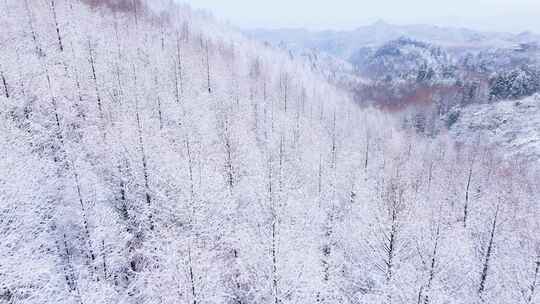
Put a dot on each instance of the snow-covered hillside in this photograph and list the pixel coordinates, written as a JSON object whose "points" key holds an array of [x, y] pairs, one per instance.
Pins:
{"points": [[512, 127], [337, 71], [408, 59], [161, 157]]}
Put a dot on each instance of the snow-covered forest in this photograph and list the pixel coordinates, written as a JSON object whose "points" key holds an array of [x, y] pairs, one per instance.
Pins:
{"points": [[151, 154]]}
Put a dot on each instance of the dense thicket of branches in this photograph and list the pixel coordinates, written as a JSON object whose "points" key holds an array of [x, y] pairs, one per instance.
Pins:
{"points": [[517, 83], [153, 161]]}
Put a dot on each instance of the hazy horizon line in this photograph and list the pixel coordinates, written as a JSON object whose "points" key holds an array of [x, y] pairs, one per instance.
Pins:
{"points": [[365, 25]]}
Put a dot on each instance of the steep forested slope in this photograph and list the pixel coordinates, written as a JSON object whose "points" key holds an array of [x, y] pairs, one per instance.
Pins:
{"points": [[158, 157], [511, 126]]}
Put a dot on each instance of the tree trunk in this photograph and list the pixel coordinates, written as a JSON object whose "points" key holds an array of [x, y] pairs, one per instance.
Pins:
{"points": [[92, 255], [94, 78], [71, 279], [180, 68], [366, 157], [274, 260], [485, 267], [4, 83], [192, 278], [143, 154], [535, 279], [33, 33], [208, 67], [285, 88], [274, 231], [432, 265], [190, 170], [466, 208], [104, 260], [158, 101], [59, 36]]}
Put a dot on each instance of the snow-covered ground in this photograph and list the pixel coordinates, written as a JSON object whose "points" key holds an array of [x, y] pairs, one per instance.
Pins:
{"points": [[513, 126]]}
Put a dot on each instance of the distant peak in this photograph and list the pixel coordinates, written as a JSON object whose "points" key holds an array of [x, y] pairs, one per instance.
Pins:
{"points": [[381, 23]]}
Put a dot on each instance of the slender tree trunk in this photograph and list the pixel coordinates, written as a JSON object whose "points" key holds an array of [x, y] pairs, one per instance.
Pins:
{"points": [[145, 169], [433, 265], [158, 101], [352, 193], [104, 260], [430, 175], [334, 145], [33, 33], [59, 36], [534, 281], [275, 220], [255, 107], [144, 160], [71, 279], [390, 249], [4, 83], [466, 208], [54, 104], [192, 278], [77, 83], [180, 68], [92, 255], [207, 52], [118, 59], [320, 178], [265, 111], [229, 165], [185, 31], [485, 267], [327, 250], [94, 78], [285, 88], [281, 163], [190, 169], [226, 138], [160, 115], [135, 14], [162, 32], [274, 259], [303, 99], [177, 96]]}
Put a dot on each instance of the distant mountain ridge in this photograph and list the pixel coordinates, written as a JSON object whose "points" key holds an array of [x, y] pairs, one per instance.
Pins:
{"points": [[344, 43]]}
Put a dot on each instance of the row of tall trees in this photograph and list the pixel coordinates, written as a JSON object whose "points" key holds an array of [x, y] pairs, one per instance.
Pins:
{"points": [[159, 157]]}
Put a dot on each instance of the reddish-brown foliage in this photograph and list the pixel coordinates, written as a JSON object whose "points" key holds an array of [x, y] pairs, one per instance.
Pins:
{"points": [[116, 5]]}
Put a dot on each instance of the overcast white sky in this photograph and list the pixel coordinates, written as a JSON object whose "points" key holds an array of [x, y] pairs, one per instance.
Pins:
{"points": [[496, 15]]}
